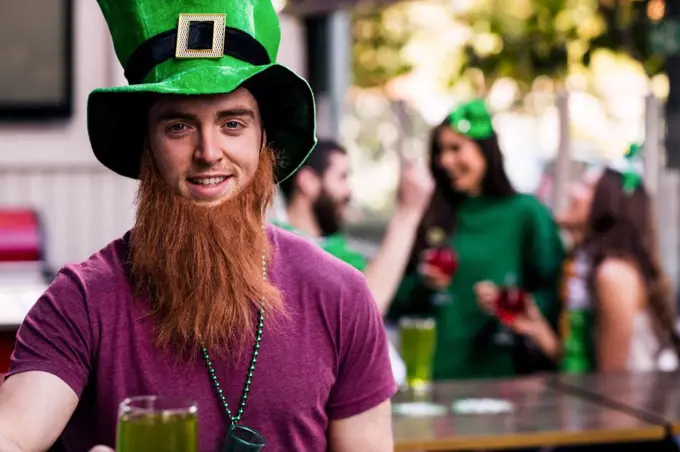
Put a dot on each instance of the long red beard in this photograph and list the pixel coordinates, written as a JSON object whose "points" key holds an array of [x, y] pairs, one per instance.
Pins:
{"points": [[201, 268]]}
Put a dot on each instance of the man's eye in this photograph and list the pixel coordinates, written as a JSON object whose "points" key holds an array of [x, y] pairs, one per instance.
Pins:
{"points": [[177, 128], [232, 125]]}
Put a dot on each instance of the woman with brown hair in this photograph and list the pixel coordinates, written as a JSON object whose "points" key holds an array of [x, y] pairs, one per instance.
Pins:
{"points": [[618, 309], [496, 233]]}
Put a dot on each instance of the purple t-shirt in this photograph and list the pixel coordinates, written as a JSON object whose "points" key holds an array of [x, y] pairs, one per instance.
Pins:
{"points": [[328, 361]]}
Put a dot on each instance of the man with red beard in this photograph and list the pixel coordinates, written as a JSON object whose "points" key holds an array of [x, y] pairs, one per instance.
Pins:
{"points": [[199, 300]]}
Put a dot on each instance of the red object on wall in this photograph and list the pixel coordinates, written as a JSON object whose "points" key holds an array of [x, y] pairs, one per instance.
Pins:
{"points": [[20, 238], [20, 241], [7, 341]]}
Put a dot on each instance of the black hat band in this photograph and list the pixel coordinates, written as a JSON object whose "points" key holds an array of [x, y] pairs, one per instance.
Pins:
{"points": [[199, 39]]}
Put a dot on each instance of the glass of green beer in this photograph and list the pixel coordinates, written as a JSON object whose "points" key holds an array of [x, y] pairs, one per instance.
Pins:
{"points": [[417, 351], [157, 423]]}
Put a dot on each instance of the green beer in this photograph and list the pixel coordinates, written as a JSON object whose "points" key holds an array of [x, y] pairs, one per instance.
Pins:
{"points": [[417, 351], [157, 424]]}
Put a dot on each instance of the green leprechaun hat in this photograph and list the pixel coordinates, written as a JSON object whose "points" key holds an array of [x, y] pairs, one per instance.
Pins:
{"points": [[194, 47]]}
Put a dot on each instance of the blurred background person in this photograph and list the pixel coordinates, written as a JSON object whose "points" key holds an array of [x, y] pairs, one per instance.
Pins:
{"points": [[496, 234], [317, 200], [618, 307]]}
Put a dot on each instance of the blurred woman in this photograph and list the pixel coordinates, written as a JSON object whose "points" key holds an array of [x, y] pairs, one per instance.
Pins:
{"points": [[496, 234], [618, 313]]}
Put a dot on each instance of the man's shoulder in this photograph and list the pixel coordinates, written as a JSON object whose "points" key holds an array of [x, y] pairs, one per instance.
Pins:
{"points": [[103, 271], [296, 256]]}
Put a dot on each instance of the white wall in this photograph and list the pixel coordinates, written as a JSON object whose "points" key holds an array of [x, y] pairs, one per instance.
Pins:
{"points": [[293, 47], [51, 166], [64, 143]]}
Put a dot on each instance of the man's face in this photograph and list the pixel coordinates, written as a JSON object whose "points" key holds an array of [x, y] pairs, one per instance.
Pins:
{"points": [[206, 148], [332, 201], [197, 248]]}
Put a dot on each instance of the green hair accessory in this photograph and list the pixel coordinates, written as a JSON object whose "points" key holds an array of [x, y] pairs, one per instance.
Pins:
{"points": [[631, 172], [472, 119]]}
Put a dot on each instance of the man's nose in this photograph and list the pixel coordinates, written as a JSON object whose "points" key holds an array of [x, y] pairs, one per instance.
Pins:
{"points": [[208, 150]]}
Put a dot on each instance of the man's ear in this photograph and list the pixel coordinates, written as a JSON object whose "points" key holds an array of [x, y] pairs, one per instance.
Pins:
{"points": [[263, 141], [308, 182]]}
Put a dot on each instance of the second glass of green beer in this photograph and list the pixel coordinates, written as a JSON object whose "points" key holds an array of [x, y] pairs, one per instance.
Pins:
{"points": [[159, 424], [418, 336]]}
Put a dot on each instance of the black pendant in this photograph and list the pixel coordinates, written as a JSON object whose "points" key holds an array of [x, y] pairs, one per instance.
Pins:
{"points": [[243, 439]]}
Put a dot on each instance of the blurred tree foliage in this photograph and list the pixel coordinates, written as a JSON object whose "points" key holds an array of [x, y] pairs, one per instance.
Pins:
{"points": [[524, 39], [521, 39], [379, 35], [627, 30]]}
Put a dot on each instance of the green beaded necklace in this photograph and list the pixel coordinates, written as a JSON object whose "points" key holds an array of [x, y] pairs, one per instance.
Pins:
{"points": [[233, 420], [251, 370]]}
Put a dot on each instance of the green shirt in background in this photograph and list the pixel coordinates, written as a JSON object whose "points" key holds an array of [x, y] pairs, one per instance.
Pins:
{"points": [[494, 238], [335, 245]]}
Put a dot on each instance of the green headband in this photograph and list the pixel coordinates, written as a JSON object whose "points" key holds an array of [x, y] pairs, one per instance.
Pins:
{"points": [[472, 119], [631, 170]]}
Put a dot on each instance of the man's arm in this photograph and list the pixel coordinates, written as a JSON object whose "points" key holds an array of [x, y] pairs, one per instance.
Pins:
{"points": [[358, 406], [383, 274], [370, 431], [34, 409], [50, 367]]}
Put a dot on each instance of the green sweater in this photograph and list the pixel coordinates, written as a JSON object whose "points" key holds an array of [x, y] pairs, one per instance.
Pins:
{"points": [[493, 238]]}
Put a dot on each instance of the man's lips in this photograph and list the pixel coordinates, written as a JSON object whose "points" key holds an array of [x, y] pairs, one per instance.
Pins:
{"points": [[209, 188], [208, 180]]}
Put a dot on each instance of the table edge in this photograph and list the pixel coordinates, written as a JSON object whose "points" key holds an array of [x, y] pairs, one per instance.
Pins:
{"points": [[648, 432]]}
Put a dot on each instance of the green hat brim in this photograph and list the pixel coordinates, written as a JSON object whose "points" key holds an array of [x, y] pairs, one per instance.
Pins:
{"points": [[116, 116]]}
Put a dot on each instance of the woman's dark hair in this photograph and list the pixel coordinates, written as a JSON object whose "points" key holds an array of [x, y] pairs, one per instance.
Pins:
{"points": [[443, 207], [621, 225]]}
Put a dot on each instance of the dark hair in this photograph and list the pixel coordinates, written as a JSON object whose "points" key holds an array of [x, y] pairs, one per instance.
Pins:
{"points": [[621, 225], [318, 160], [443, 207]]}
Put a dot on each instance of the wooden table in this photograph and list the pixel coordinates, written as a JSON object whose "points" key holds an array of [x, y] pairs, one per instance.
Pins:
{"points": [[651, 396], [542, 416]]}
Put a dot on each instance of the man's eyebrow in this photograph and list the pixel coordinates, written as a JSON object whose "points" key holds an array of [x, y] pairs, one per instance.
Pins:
{"points": [[176, 114], [169, 115], [236, 112]]}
